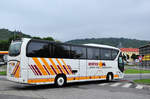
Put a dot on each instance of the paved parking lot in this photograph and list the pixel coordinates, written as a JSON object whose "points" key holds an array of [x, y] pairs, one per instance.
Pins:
{"points": [[85, 90]]}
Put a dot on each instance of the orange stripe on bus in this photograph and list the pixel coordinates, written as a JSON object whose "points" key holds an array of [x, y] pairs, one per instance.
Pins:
{"points": [[116, 76], [86, 78], [15, 67], [77, 78], [66, 66], [97, 77], [17, 75], [92, 77], [61, 66], [104, 77], [40, 80], [55, 67], [82, 78], [39, 65], [48, 66], [68, 79]]}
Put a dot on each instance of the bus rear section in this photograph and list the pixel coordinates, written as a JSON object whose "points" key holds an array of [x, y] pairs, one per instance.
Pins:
{"points": [[16, 68]]}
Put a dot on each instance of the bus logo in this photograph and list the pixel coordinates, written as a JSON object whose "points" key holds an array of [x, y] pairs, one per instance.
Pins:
{"points": [[100, 64]]}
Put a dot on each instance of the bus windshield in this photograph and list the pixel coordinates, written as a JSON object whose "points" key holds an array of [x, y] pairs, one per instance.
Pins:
{"points": [[15, 48]]}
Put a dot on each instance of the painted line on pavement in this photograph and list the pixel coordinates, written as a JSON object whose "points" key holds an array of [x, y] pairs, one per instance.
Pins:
{"points": [[139, 87], [103, 84], [127, 85], [115, 84]]}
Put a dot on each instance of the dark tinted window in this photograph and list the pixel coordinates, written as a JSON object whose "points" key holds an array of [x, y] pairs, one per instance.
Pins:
{"points": [[38, 49], [114, 54], [78, 52], [93, 53], [105, 54], [51, 48], [61, 51]]}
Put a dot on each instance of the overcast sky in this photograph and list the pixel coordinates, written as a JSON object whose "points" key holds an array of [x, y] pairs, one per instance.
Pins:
{"points": [[71, 19]]}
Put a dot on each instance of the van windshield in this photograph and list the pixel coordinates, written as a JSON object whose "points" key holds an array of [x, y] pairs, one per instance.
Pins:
{"points": [[15, 48]]}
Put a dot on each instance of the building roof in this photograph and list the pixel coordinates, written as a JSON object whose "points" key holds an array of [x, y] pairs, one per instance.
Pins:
{"points": [[145, 46], [129, 49]]}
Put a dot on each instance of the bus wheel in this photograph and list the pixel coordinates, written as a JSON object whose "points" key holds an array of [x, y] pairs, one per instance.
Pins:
{"points": [[60, 81], [109, 77]]}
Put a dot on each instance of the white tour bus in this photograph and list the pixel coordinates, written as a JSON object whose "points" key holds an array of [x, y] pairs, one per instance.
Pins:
{"points": [[33, 61]]}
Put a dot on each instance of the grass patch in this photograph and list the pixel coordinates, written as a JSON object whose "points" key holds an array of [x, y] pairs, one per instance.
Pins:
{"points": [[135, 71], [3, 73], [143, 81]]}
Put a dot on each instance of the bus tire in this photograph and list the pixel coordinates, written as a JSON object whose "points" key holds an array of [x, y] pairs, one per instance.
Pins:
{"points": [[60, 80], [109, 77]]}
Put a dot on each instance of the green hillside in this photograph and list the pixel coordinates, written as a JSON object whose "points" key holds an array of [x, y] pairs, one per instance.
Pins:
{"points": [[5, 34], [117, 42]]}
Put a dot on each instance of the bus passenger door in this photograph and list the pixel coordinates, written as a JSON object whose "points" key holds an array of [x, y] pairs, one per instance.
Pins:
{"points": [[120, 63]]}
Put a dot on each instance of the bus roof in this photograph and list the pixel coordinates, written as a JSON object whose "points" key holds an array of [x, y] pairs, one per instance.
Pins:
{"points": [[89, 44], [101, 45]]}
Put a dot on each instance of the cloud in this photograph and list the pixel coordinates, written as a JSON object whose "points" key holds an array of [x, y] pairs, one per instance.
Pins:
{"points": [[71, 19]]}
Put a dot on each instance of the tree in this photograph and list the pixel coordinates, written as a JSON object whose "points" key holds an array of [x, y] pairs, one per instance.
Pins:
{"points": [[124, 57], [17, 36], [37, 38], [49, 39], [4, 45], [128, 56], [134, 56], [57, 41], [46, 38]]}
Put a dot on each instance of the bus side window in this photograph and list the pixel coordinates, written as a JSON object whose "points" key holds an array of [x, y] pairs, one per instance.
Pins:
{"points": [[78, 52], [114, 54], [66, 51], [93, 53], [105, 54], [38, 49], [51, 48], [61, 51]]}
